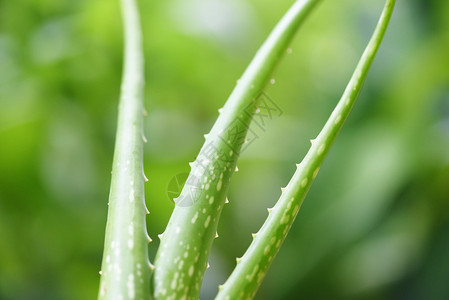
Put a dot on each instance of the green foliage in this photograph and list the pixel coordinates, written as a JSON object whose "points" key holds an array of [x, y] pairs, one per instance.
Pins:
{"points": [[252, 267], [185, 244], [376, 221], [126, 269]]}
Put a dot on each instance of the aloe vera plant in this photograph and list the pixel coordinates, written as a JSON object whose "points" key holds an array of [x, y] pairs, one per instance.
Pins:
{"points": [[251, 268], [183, 253], [125, 270]]}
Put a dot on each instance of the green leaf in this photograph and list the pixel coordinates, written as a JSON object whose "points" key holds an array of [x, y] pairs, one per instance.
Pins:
{"points": [[182, 255], [252, 267], [126, 270]]}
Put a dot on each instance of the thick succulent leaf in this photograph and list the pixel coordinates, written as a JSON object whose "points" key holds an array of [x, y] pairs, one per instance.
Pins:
{"points": [[126, 269], [183, 253]]}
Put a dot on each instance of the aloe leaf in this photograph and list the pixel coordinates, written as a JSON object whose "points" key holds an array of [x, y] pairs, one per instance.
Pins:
{"points": [[252, 267], [126, 270], [182, 255]]}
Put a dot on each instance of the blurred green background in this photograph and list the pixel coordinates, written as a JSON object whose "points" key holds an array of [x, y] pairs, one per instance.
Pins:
{"points": [[375, 224]]}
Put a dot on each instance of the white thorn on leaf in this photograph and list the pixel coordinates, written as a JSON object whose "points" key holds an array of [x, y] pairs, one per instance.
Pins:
{"points": [[236, 169], [226, 201], [270, 210], [216, 234], [144, 139], [238, 259], [282, 189], [191, 163], [220, 110], [254, 235], [160, 236], [146, 210], [207, 266], [206, 135]]}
